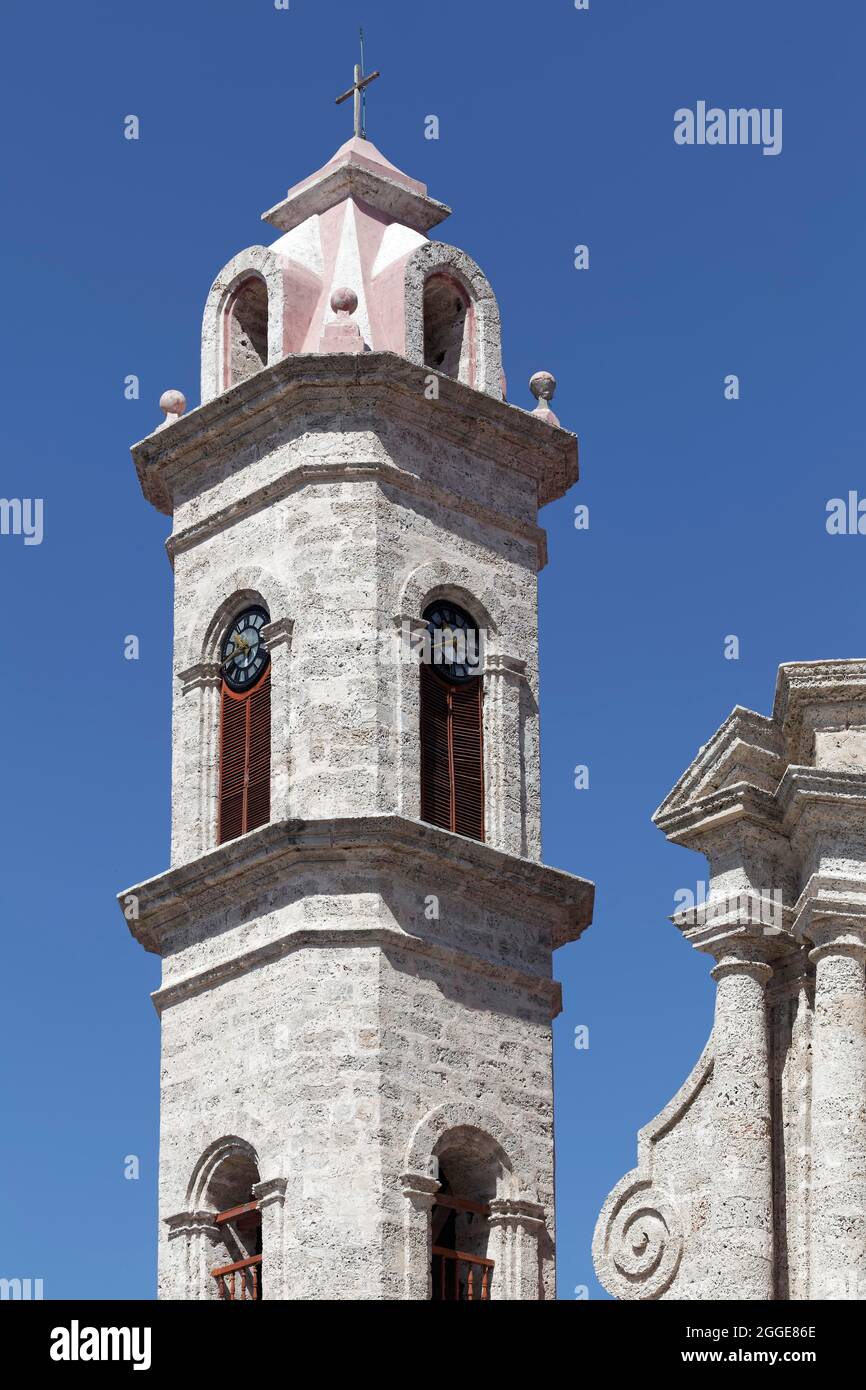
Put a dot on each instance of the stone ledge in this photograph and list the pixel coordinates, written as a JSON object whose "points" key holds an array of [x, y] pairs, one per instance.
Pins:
{"points": [[387, 939], [268, 855], [804, 788], [471, 419], [299, 475], [402, 199], [690, 823]]}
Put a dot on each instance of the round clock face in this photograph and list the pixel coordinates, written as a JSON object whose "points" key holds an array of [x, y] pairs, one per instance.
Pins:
{"points": [[454, 644], [244, 654]]}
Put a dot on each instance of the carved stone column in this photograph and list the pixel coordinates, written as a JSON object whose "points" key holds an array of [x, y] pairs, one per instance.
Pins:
{"points": [[410, 633], [420, 1193], [742, 1202], [837, 1224], [505, 815], [271, 1197], [515, 1230], [278, 638], [195, 770], [192, 1241]]}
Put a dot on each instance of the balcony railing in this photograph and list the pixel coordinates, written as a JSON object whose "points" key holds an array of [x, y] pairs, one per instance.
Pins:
{"points": [[460, 1277], [242, 1280]]}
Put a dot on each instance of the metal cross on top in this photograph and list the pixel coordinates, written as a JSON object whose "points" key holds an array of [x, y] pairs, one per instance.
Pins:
{"points": [[358, 91]]}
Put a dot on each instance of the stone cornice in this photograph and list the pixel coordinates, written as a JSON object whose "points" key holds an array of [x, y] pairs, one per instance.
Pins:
{"points": [[804, 683], [745, 916], [695, 823], [515, 1211], [399, 197], [745, 749], [202, 675], [278, 633], [501, 664], [264, 857], [376, 470], [337, 383], [184, 1223], [271, 1192], [692, 821], [804, 789], [830, 904], [392, 939]]}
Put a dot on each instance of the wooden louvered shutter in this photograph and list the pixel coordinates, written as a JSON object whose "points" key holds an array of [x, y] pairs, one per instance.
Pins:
{"points": [[467, 759], [436, 806], [245, 760], [452, 755], [259, 754], [233, 765]]}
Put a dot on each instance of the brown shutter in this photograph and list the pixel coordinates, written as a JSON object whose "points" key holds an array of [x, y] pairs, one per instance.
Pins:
{"points": [[233, 758], [245, 760], [259, 755], [436, 780], [467, 758], [452, 757]]}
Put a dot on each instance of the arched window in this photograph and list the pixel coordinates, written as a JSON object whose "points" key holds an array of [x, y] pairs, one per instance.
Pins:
{"points": [[452, 753], [471, 1171], [246, 331], [245, 727], [238, 1271], [448, 327]]}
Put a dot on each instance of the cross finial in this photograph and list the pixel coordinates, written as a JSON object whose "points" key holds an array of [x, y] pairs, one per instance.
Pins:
{"points": [[358, 91]]}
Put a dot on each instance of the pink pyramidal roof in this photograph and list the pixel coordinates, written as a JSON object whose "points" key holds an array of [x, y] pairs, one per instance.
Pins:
{"points": [[365, 154]]}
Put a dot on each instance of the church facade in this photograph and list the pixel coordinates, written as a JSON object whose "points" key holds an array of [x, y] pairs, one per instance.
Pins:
{"points": [[751, 1183], [356, 930]]}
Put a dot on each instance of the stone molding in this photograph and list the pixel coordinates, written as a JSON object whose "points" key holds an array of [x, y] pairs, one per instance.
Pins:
{"points": [[402, 199], [389, 939], [450, 1115], [265, 856], [184, 1223], [509, 667], [221, 602], [373, 470], [455, 582], [204, 675], [271, 1192], [379, 382]]}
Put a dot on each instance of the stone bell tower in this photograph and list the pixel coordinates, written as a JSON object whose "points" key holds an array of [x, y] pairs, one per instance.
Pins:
{"points": [[356, 931]]}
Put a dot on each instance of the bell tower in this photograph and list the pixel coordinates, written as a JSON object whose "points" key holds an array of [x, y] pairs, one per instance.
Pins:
{"points": [[356, 930]]}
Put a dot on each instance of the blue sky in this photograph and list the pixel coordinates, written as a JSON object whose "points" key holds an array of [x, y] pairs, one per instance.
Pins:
{"points": [[707, 516]]}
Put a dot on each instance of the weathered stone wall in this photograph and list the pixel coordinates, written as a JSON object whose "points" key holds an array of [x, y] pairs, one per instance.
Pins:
{"points": [[321, 1012], [772, 1144], [347, 564]]}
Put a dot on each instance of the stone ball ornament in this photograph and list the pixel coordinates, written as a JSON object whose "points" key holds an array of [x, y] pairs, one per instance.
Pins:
{"points": [[344, 300], [543, 386], [172, 403]]}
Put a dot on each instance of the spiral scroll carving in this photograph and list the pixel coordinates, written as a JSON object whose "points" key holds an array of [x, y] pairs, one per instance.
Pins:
{"points": [[638, 1241]]}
